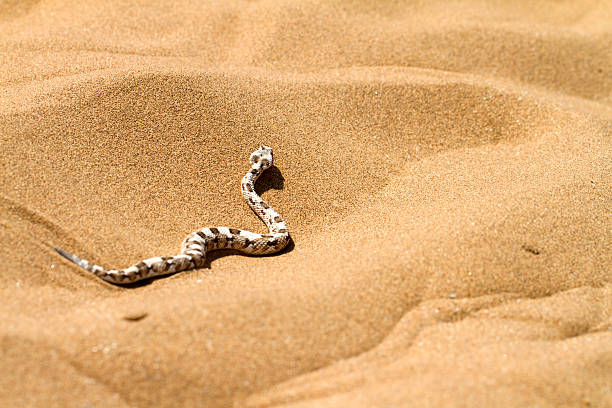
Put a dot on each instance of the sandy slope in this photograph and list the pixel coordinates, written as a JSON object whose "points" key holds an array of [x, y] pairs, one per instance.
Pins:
{"points": [[444, 168]]}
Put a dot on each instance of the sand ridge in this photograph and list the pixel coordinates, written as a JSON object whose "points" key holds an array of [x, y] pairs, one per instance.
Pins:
{"points": [[443, 167]]}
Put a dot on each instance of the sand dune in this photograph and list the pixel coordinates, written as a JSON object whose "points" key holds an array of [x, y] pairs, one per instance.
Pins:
{"points": [[444, 168]]}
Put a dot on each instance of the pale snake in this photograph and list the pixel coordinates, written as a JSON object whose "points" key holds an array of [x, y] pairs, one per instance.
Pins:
{"points": [[195, 246]]}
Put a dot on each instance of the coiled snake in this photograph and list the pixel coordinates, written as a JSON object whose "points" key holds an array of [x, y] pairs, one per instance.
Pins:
{"points": [[195, 246]]}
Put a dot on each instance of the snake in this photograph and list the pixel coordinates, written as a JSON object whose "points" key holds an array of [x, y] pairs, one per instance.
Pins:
{"points": [[195, 246]]}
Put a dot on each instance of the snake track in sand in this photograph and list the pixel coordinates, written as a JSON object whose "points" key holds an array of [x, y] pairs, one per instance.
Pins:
{"points": [[195, 246]]}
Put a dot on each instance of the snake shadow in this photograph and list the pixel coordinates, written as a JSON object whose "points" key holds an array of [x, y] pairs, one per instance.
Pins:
{"points": [[271, 179]]}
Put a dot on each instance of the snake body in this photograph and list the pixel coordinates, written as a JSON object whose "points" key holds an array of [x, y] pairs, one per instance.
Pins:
{"points": [[196, 244]]}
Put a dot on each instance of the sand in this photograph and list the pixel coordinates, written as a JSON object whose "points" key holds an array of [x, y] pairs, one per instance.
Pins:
{"points": [[444, 168]]}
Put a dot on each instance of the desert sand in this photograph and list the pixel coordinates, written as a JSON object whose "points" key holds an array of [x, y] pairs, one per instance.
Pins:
{"points": [[444, 168]]}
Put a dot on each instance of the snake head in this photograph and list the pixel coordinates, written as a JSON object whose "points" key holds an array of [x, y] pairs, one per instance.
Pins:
{"points": [[262, 157]]}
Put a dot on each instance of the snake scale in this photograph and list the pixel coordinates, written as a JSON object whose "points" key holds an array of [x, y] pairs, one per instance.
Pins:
{"points": [[195, 246]]}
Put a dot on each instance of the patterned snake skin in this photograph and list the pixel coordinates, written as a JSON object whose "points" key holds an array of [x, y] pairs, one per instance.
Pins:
{"points": [[195, 246]]}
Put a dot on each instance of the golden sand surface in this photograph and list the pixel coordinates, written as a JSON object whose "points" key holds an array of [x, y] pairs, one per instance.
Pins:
{"points": [[444, 168]]}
